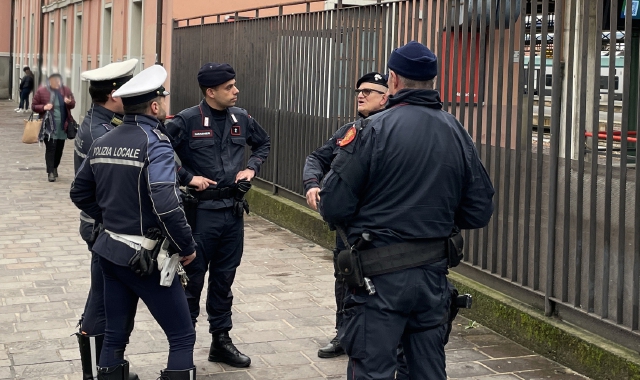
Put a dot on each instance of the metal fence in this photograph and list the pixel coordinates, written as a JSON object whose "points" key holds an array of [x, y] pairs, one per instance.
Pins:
{"points": [[533, 83]]}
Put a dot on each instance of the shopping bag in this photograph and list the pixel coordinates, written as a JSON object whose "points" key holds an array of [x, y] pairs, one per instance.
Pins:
{"points": [[31, 130]]}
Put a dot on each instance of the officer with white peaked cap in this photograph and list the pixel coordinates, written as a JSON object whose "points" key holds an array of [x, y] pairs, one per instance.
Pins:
{"points": [[105, 114], [128, 183]]}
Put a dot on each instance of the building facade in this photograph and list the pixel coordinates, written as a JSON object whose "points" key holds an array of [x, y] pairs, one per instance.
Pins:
{"points": [[70, 36]]}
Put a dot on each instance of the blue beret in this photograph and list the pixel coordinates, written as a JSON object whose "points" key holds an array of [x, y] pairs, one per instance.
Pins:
{"points": [[213, 74], [414, 61]]}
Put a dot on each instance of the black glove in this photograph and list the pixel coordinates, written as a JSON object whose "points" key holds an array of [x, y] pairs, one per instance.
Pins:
{"points": [[143, 261], [239, 203]]}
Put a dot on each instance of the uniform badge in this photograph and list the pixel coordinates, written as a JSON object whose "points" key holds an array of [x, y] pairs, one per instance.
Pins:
{"points": [[161, 135], [348, 137], [235, 130], [116, 121], [201, 133]]}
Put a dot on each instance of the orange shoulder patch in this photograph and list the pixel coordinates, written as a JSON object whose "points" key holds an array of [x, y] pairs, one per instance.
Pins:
{"points": [[348, 137]]}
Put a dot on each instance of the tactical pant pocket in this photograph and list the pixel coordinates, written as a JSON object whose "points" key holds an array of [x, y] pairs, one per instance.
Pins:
{"points": [[352, 330]]}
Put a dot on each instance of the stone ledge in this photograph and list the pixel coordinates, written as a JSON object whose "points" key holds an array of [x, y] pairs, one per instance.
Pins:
{"points": [[560, 341], [564, 343], [292, 216]]}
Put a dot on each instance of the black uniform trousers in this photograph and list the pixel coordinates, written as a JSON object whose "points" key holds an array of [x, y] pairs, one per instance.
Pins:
{"points": [[410, 306], [219, 236], [93, 319], [168, 305], [53, 153]]}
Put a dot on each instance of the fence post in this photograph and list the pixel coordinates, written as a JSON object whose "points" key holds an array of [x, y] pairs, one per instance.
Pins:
{"points": [[556, 107], [276, 137]]}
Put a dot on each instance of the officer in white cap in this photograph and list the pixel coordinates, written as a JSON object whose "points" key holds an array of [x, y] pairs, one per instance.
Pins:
{"points": [[128, 184], [106, 113]]}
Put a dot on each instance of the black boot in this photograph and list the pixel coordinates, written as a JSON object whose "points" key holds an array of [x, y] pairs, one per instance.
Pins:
{"points": [[223, 351], [90, 347], [51, 177], [185, 374], [331, 350], [117, 372], [55, 173]]}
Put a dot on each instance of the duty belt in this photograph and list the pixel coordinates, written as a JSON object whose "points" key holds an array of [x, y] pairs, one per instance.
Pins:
{"points": [[401, 256], [214, 194]]}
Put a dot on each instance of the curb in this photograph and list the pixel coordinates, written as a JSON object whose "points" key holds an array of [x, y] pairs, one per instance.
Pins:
{"points": [[564, 343]]}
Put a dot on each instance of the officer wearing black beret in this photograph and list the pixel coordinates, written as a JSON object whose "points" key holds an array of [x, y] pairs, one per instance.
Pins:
{"points": [[371, 93], [401, 189], [128, 184], [210, 140]]}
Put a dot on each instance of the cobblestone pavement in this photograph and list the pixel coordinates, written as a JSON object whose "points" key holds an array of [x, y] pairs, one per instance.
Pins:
{"points": [[283, 306]]}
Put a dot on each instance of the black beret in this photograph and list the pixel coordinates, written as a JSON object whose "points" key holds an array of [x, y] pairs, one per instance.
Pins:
{"points": [[212, 74], [375, 78]]}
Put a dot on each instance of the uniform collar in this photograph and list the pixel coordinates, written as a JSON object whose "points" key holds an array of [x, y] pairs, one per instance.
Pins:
{"points": [[107, 114], [145, 119]]}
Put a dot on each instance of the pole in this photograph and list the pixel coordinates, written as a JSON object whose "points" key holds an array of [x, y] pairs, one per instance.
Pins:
{"points": [[159, 33], [41, 47]]}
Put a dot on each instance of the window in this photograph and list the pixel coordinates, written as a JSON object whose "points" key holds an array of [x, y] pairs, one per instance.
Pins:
{"points": [[106, 37]]}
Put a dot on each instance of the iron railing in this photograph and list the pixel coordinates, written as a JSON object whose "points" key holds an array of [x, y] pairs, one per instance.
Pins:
{"points": [[565, 232]]}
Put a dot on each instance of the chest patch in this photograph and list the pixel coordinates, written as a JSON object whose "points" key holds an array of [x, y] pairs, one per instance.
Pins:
{"points": [[108, 127], [201, 133], [348, 137], [235, 130]]}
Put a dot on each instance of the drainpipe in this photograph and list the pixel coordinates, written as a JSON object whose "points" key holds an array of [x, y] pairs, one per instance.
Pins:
{"points": [[159, 33], [11, 47], [41, 47]]}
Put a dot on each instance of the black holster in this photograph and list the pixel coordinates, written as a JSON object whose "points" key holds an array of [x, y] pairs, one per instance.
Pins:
{"points": [[455, 248], [190, 206], [348, 268]]}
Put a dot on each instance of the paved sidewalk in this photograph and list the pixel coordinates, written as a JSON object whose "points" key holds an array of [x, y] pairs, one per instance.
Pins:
{"points": [[283, 306]]}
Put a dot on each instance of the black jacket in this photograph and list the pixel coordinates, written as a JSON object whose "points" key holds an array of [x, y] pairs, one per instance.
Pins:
{"points": [[412, 172], [26, 83]]}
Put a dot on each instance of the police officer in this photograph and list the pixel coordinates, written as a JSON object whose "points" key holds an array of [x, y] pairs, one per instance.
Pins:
{"points": [[128, 184], [372, 97], [210, 141], [104, 115], [399, 187]]}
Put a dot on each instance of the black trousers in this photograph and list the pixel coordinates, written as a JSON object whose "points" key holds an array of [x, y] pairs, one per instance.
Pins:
{"points": [[219, 236], [24, 98], [53, 153]]}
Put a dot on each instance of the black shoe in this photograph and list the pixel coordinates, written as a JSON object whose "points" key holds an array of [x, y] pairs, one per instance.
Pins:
{"points": [[52, 177], [117, 372], [223, 351], [186, 374], [55, 173], [331, 350]]}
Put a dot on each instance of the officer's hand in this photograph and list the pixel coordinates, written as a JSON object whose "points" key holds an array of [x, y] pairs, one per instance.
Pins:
{"points": [[186, 260], [201, 183], [246, 174], [313, 197]]}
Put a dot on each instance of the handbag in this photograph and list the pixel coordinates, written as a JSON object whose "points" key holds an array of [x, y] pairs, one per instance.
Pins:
{"points": [[31, 130], [72, 129]]}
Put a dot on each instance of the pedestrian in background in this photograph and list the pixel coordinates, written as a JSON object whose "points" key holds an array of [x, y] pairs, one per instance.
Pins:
{"points": [[26, 86], [54, 101]]}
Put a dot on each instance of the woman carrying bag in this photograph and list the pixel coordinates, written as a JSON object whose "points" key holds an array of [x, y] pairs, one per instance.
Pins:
{"points": [[54, 102]]}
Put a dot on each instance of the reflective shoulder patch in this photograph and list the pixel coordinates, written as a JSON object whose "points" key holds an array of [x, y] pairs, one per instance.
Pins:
{"points": [[108, 127], [348, 137], [161, 135]]}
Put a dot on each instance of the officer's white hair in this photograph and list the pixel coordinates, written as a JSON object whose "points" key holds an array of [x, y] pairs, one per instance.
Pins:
{"points": [[423, 85]]}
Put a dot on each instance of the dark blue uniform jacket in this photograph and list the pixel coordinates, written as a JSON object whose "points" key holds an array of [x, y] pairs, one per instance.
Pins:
{"points": [[204, 151], [96, 123], [412, 172], [128, 183]]}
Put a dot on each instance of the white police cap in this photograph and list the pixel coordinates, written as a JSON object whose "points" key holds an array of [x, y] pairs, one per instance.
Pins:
{"points": [[112, 75], [143, 87]]}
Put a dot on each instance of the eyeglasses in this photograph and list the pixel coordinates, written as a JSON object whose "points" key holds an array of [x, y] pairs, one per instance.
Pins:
{"points": [[367, 91]]}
